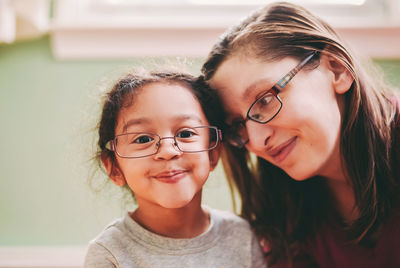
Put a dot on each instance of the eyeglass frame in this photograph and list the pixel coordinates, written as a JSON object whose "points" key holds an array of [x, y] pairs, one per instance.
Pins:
{"points": [[111, 144], [275, 90]]}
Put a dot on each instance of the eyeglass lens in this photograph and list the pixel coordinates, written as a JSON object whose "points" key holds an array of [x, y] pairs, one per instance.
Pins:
{"points": [[265, 108]]}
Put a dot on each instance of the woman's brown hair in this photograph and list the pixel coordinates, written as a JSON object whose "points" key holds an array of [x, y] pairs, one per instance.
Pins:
{"points": [[286, 212]]}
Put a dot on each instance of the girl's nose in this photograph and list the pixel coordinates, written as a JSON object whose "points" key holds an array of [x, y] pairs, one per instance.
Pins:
{"points": [[258, 134], [167, 149]]}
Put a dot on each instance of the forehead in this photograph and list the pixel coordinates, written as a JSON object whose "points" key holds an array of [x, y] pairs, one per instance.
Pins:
{"points": [[239, 79], [159, 103], [163, 93]]}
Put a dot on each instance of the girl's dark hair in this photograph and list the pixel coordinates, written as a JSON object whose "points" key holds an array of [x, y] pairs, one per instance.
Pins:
{"points": [[123, 93], [281, 210]]}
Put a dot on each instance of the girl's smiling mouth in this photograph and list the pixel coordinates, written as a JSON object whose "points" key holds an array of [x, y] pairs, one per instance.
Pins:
{"points": [[171, 176]]}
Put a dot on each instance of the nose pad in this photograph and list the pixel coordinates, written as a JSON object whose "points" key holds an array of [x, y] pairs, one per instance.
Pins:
{"points": [[166, 151], [258, 134]]}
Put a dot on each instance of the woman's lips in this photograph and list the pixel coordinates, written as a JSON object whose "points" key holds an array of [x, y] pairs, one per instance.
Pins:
{"points": [[282, 151], [172, 176]]}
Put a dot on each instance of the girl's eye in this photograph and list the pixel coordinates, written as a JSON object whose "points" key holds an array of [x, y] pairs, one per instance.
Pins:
{"points": [[143, 139], [187, 133]]}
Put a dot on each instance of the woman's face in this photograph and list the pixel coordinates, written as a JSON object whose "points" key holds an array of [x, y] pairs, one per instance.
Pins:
{"points": [[303, 139]]}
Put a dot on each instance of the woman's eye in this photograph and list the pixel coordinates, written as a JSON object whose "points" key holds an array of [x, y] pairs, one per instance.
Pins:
{"points": [[185, 134], [143, 139], [264, 101], [256, 116]]}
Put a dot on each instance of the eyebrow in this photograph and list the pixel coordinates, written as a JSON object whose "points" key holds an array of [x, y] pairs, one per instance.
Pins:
{"points": [[143, 120], [136, 121]]}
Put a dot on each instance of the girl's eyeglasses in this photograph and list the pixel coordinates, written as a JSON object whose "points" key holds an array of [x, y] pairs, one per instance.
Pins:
{"points": [[186, 140]]}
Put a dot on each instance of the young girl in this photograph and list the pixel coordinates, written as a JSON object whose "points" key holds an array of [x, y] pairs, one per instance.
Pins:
{"points": [[157, 136], [324, 190]]}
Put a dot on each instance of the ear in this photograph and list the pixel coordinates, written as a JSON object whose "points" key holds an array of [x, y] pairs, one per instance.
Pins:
{"points": [[342, 78], [214, 155], [113, 170]]}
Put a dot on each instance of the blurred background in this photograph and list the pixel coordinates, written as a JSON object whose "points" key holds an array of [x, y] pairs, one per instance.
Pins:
{"points": [[55, 59]]}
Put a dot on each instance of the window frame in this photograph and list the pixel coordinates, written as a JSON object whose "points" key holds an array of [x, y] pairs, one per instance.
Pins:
{"points": [[83, 30]]}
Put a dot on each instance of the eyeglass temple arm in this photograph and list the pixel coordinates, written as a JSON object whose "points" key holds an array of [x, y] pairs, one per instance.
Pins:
{"points": [[286, 79], [110, 145], [219, 134]]}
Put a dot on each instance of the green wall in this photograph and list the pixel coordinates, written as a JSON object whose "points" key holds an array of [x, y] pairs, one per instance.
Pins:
{"points": [[48, 110]]}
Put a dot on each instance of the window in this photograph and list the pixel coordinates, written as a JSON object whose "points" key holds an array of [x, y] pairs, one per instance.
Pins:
{"points": [[131, 28]]}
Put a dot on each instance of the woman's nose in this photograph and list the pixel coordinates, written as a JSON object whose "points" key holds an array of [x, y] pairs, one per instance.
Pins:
{"points": [[258, 134], [167, 149]]}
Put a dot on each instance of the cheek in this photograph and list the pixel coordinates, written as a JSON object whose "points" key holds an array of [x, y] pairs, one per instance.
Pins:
{"points": [[314, 112], [200, 167], [134, 169], [315, 100]]}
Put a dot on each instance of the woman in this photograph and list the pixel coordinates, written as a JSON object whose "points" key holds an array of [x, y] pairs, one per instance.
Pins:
{"points": [[324, 188]]}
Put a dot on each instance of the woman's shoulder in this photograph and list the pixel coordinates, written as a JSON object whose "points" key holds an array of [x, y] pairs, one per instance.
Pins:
{"points": [[382, 249]]}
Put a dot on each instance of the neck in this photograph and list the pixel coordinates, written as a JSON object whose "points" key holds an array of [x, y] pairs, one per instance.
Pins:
{"points": [[185, 222], [340, 186], [344, 199]]}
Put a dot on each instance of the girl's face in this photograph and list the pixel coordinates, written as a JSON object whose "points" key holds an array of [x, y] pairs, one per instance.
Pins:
{"points": [[169, 178], [303, 139]]}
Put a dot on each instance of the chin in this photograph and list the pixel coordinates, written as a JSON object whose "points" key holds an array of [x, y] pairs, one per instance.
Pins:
{"points": [[299, 175], [175, 204]]}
